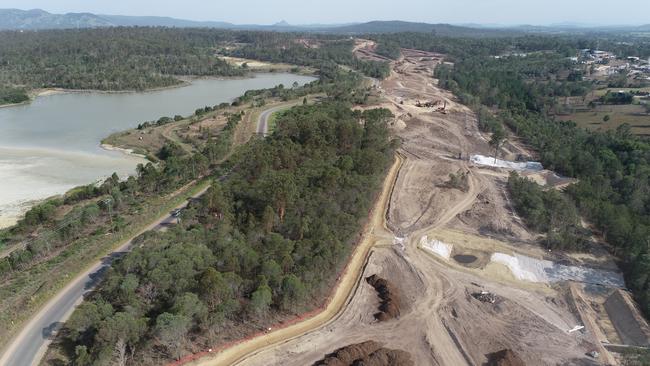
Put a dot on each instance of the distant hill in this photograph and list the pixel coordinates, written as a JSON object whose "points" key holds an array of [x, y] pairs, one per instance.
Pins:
{"points": [[37, 19], [396, 26], [149, 21], [386, 27], [40, 19]]}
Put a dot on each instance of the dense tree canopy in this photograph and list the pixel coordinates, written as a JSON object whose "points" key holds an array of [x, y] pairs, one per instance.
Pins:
{"points": [[270, 238], [109, 58], [548, 211], [139, 58], [331, 52], [11, 95]]}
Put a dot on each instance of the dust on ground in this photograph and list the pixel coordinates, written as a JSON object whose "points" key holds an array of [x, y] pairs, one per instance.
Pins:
{"points": [[442, 321]]}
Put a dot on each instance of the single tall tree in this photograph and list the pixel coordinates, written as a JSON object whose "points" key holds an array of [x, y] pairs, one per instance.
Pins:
{"points": [[498, 138]]}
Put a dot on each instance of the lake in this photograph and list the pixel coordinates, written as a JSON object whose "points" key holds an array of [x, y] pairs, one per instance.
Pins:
{"points": [[53, 143]]}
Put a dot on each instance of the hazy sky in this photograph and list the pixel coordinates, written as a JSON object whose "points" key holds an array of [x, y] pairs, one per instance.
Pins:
{"points": [[342, 11]]}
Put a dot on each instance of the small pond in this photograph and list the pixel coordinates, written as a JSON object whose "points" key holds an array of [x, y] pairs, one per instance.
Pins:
{"points": [[465, 258]]}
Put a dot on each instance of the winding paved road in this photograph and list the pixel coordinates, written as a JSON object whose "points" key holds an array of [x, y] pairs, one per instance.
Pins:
{"points": [[30, 345], [263, 122]]}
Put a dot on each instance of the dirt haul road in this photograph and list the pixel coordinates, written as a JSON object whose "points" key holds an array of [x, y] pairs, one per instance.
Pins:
{"points": [[440, 322]]}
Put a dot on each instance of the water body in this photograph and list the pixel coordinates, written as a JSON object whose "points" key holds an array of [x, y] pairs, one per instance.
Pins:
{"points": [[465, 258], [53, 143]]}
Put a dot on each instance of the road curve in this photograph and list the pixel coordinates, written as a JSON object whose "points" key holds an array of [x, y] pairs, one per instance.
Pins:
{"points": [[31, 343], [263, 121]]}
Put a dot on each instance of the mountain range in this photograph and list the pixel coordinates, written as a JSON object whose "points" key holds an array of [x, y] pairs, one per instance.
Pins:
{"points": [[37, 19]]}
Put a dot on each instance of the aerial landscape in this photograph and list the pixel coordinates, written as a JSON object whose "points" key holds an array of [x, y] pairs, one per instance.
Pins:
{"points": [[288, 183]]}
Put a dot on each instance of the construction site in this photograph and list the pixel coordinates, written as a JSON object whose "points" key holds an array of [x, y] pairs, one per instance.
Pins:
{"points": [[452, 276]]}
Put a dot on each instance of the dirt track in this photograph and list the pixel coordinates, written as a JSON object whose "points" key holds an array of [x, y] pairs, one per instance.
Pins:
{"points": [[440, 322]]}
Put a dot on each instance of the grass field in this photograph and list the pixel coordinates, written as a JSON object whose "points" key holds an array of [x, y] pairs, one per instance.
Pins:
{"points": [[634, 115]]}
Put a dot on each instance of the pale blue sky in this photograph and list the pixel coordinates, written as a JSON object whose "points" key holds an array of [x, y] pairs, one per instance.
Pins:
{"points": [[538, 12]]}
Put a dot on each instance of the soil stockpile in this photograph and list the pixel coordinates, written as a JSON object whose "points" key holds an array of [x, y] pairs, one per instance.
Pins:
{"points": [[389, 307], [504, 358], [368, 353]]}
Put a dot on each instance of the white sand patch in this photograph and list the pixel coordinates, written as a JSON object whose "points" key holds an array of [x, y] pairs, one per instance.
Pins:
{"points": [[498, 163], [437, 247], [519, 270], [30, 175], [525, 268]]}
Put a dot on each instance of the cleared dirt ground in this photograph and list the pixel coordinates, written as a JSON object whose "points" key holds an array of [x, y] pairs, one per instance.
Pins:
{"points": [[440, 322]]}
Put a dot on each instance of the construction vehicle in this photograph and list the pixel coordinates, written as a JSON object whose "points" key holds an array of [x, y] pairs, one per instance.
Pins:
{"points": [[443, 109], [485, 296], [426, 104]]}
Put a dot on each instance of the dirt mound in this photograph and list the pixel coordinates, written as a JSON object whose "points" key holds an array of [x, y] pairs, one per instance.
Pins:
{"points": [[389, 307], [369, 353], [504, 357]]}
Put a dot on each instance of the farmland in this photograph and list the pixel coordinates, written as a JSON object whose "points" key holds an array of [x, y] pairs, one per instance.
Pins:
{"points": [[594, 119]]}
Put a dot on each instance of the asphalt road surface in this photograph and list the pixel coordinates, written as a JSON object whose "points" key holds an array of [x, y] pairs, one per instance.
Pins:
{"points": [[263, 122], [30, 345]]}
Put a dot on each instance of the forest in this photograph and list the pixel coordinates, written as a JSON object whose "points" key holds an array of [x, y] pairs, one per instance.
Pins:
{"points": [[549, 212], [172, 169], [268, 240], [140, 58], [11, 95], [462, 48], [109, 59], [325, 51], [329, 142], [612, 168]]}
